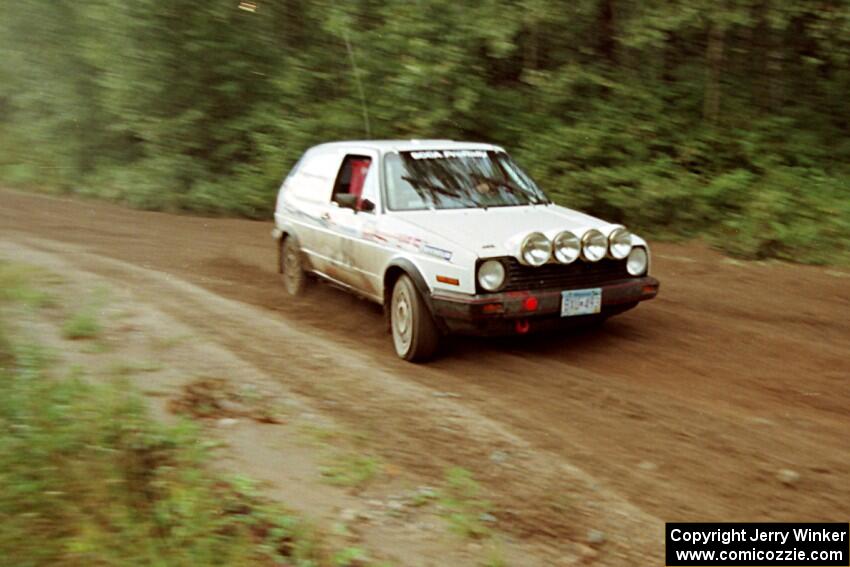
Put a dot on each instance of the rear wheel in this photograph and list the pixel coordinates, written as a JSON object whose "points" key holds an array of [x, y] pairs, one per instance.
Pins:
{"points": [[291, 267], [415, 335]]}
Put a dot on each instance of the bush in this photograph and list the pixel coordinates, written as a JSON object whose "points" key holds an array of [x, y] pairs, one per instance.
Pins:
{"points": [[792, 214], [81, 325]]}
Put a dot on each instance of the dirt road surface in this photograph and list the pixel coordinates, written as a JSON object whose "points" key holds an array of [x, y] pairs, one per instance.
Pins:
{"points": [[725, 399]]}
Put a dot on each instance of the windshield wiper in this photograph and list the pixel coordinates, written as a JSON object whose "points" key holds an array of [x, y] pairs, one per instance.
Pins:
{"points": [[504, 183], [434, 188], [533, 198]]}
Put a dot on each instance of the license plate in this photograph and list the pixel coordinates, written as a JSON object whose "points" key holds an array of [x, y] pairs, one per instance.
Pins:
{"points": [[581, 302]]}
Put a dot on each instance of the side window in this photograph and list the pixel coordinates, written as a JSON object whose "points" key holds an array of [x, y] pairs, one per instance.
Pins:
{"points": [[315, 176], [351, 184]]}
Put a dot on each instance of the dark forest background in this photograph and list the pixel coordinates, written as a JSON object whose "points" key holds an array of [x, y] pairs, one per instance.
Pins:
{"points": [[725, 119]]}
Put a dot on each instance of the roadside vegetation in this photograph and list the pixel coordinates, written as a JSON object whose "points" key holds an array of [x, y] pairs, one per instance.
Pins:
{"points": [[87, 477], [81, 325], [679, 119], [465, 510], [350, 469]]}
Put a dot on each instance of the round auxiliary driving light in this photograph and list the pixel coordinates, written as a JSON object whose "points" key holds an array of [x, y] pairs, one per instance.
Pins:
{"points": [[536, 249], [619, 243], [594, 245], [566, 247]]}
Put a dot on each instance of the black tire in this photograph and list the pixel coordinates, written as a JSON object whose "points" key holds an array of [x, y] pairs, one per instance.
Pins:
{"points": [[415, 334], [292, 267]]}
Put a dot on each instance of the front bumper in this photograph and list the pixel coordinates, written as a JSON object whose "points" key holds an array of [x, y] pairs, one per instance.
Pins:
{"points": [[521, 311]]}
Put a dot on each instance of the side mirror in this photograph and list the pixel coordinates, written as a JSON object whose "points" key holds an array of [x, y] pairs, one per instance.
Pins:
{"points": [[367, 206], [346, 201]]}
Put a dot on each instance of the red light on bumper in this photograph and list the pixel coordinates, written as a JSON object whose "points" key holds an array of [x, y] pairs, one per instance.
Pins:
{"points": [[492, 308], [530, 303]]}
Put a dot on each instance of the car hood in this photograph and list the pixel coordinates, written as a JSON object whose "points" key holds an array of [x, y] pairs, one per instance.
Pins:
{"points": [[498, 231]]}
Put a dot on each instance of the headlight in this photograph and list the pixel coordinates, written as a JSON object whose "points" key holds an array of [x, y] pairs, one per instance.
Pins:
{"points": [[619, 243], [491, 275], [594, 245], [566, 247], [636, 264], [536, 249]]}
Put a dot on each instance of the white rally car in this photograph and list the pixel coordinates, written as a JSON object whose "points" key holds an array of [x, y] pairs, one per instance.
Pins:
{"points": [[451, 237]]}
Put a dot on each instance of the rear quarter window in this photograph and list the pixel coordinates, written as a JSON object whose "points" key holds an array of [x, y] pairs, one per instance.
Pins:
{"points": [[313, 177]]}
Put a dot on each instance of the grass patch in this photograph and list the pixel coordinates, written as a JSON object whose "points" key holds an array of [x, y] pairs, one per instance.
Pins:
{"points": [[350, 469], [82, 325], [349, 557], [423, 497], [88, 478], [18, 283], [464, 508]]}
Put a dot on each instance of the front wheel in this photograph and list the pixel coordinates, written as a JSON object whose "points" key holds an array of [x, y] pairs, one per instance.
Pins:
{"points": [[291, 267], [415, 334]]}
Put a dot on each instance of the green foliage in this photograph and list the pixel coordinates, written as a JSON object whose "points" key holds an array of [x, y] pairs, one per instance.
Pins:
{"points": [[678, 118], [82, 325], [18, 284], [86, 478], [463, 505], [353, 470], [790, 214], [349, 557]]}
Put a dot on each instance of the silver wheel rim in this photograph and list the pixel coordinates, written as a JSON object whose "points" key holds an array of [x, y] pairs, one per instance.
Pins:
{"points": [[291, 268], [402, 320]]}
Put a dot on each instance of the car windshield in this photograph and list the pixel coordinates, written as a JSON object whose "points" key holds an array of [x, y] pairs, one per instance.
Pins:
{"points": [[457, 179]]}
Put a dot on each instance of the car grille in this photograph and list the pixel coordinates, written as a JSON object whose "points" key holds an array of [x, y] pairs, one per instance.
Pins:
{"points": [[579, 274]]}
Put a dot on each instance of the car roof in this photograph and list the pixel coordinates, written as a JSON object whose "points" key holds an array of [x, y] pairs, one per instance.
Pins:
{"points": [[384, 146]]}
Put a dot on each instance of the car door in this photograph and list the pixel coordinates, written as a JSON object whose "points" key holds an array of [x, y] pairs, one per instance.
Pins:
{"points": [[356, 258]]}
